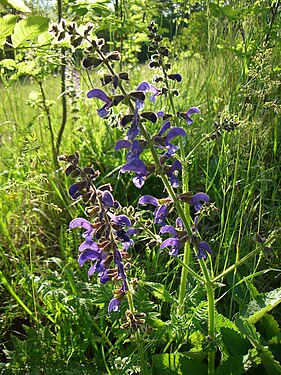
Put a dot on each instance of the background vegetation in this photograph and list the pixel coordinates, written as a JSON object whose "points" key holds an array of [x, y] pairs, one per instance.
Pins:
{"points": [[55, 320]]}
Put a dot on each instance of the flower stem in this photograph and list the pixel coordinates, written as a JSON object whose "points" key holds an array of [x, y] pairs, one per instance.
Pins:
{"points": [[211, 317]]}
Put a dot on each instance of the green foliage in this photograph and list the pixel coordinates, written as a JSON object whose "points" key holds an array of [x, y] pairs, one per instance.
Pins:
{"points": [[261, 305], [177, 364], [7, 24], [16, 4], [46, 299], [28, 29]]}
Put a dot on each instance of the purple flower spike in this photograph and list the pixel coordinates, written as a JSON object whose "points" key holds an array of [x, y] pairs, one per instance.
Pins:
{"points": [[80, 222], [114, 305], [191, 110], [99, 94], [196, 200], [148, 199], [203, 249]]}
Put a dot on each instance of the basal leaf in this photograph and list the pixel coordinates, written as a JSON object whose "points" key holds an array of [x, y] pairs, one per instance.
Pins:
{"points": [[7, 24], [29, 28], [262, 304]]}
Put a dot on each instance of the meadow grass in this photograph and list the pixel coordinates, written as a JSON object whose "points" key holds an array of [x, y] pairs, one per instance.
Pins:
{"points": [[48, 299]]}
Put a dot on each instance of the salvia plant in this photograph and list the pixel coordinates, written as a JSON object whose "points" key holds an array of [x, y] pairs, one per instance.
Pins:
{"points": [[155, 144]]}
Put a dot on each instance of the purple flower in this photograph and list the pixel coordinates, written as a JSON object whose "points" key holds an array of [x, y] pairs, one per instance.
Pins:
{"points": [[176, 241], [145, 86], [203, 248], [134, 130], [80, 222], [196, 200], [160, 215], [114, 305], [191, 110], [99, 94], [161, 211], [124, 237], [148, 199], [107, 199], [134, 164], [165, 141], [121, 220], [88, 255], [176, 166], [74, 191], [121, 271], [172, 242]]}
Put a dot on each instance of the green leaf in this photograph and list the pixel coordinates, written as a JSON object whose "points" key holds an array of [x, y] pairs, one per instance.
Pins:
{"points": [[7, 24], [8, 64], [271, 365], [261, 305], [44, 38], [268, 327], [233, 342], [239, 364], [170, 364], [16, 4], [160, 292], [28, 29]]}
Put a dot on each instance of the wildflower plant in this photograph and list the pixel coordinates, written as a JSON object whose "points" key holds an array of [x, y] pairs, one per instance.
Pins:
{"points": [[109, 232]]}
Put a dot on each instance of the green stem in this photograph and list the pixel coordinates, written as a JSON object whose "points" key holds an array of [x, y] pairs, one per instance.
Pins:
{"points": [[211, 317], [49, 122], [237, 264]]}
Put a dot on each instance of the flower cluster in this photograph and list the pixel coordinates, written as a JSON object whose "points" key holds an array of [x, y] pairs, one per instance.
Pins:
{"points": [[179, 234], [107, 238]]}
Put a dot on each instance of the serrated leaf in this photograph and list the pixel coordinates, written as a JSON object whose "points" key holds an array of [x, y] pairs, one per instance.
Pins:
{"points": [[262, 304], [7, 24], [28, 29], [234, 343], [160, 292], [16, 4]]}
